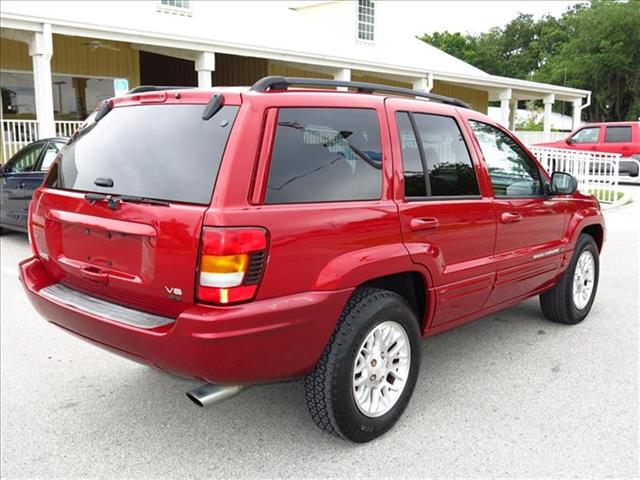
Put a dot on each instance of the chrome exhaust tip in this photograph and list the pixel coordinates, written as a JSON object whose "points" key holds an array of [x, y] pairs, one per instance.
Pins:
{"points": [[210, 393]]}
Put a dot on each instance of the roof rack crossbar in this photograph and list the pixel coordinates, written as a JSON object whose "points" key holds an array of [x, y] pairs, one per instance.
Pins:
{"points": [[283, 83], [154, 88]]}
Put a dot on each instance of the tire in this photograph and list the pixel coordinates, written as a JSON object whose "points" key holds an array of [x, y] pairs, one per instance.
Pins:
{"points": [[559, 303], [330, 390]]}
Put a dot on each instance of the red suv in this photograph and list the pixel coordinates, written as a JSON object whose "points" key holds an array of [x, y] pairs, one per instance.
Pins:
{"points": [[612, 137], [243, 236]]}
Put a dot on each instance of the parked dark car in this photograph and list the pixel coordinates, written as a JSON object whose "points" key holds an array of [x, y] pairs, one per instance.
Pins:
{"points": [[21, 175]]}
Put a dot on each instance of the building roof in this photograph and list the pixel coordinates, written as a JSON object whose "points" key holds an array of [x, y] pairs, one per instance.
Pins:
{"points": [[322, 34]]}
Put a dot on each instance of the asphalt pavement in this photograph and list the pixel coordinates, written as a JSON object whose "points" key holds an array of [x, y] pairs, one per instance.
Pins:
{"points": [[511, 395]]}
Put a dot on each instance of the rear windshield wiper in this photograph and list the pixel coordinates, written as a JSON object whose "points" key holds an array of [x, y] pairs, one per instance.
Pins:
{"points": [[134, 199], [113, 201]]}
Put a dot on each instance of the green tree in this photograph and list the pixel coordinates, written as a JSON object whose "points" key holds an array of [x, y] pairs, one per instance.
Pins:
{"points": [[602, 54], [592, 46]]}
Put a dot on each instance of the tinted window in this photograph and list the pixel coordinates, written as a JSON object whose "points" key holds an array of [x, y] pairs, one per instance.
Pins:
{"points": [[414, 177], [513, 173], [50, 155], [450, 171], [586, 135], [325, 154], [617, 134], [164, 152], [25, 160]]}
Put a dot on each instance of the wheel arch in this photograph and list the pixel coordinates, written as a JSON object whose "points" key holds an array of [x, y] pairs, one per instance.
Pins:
{"points": [[410, 285], [597, 232]]}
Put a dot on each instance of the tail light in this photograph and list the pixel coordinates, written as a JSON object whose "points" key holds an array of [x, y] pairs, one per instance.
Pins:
{"points": [[231, 264]]}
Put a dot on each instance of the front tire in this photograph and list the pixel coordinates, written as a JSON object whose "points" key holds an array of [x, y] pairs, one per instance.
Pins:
{"points": [[571, 299], [368, 370]]}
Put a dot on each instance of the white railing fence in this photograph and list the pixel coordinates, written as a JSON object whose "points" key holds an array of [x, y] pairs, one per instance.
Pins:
{"points": [[531, 138], [67, 128], [19, 133], [596, 172]]}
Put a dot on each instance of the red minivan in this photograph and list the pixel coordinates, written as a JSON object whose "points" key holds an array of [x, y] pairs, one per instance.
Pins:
{"points": [[241, 236]]}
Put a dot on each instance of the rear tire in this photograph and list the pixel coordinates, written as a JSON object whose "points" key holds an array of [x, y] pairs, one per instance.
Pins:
{"points": [[362, 358], [570, 301]]}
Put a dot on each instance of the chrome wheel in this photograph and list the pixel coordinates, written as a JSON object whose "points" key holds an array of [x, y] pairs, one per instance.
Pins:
{"points": [[583, 279], [381, 369]]}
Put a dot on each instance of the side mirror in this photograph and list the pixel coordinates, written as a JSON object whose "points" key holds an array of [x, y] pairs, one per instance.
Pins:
{"points": [[570, 141], [563, 183]]}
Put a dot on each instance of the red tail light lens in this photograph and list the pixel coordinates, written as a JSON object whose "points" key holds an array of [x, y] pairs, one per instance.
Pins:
{"points": [[231, 264]]}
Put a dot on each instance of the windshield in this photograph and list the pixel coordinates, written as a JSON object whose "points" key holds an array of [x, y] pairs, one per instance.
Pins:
{"points": [[164, 152]]}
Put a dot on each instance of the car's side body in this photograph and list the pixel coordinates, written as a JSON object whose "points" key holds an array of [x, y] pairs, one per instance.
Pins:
{"points": [[483, 253], [20, 176]]}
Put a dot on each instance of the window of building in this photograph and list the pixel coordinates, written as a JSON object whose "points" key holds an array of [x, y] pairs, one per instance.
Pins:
{"points": [[442, 151], [366, 20], [586, 135], [180, 7], [325, 154], [617, 134], [512, 172]]}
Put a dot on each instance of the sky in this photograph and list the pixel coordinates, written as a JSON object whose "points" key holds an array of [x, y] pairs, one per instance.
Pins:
{"points": [[469, 15]]}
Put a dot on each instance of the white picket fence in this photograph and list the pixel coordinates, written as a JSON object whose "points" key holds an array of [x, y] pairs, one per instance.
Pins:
{"points": [[19, 133], [596, 172], [531, 138]]}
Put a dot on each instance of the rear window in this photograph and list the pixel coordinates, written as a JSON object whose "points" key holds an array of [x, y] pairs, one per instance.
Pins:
{"points": [[325, 154], [617, 134], [164, 152]]}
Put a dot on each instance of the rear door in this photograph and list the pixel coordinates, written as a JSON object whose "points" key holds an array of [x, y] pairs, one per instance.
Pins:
{"points": [[529, 238], [618, 139], [448, 224], [19, 179], [139, 254]]}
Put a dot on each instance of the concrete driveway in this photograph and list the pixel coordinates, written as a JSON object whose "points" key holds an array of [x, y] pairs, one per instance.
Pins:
{"points": [[509, 395]]}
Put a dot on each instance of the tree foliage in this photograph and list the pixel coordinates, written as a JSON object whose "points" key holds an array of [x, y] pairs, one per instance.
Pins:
{"points": [[593, 46]]}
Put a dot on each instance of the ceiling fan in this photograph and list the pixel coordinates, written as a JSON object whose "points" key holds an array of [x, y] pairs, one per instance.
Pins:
{"points": [[96, 44]]}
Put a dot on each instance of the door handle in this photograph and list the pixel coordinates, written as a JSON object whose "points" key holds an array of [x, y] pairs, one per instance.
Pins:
{"points": [[95, 275], [423, 224], [510, 217]]}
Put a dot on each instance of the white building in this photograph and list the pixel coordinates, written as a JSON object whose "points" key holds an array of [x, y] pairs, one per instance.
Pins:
{"points": [[59, 59]]}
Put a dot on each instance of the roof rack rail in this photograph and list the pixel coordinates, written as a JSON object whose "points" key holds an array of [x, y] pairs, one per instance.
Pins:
{"points": [[283, 83], [154, 88]]}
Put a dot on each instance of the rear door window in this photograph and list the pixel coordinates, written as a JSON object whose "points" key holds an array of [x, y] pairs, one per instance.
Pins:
{"points": [[442, 153], [25, 160], [325, 154], [164, 152], [617, 135]]}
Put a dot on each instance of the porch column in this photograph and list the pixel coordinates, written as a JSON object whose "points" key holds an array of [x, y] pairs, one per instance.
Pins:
{"points": [[343, 75], [205, 65], [41, 51], [424, 84], [577, 114], [513, 113], [548, 101], [505, 99]]}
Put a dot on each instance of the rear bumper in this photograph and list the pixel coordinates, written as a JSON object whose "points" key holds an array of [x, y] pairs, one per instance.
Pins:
{"points": [[261, 341]]}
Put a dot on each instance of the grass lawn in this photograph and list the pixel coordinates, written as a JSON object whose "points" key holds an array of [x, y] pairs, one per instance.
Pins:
{"points": [[604, 194]]}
